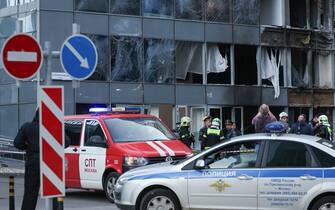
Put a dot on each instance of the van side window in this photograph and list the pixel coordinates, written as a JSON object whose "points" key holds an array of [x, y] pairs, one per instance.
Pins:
{"points": [[94, 135], [73, 131]]}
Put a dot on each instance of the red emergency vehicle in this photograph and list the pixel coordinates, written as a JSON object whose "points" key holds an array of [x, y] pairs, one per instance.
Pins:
{"points": [[103, 145]]}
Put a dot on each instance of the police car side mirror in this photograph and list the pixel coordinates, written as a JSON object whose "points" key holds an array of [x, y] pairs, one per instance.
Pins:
{"points": [[200, 164]]}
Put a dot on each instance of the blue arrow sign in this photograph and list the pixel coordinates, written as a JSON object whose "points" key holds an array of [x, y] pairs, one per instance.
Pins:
{"points": [[79, 56]]}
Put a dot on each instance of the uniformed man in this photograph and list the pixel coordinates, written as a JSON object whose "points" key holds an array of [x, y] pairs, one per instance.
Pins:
{"points": [[28, 139], [185, 134], [207, 123], [323, 129], [213, 136]]}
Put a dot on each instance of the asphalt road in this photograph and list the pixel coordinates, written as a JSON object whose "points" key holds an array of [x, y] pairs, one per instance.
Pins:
{"points": [[74, 200]]}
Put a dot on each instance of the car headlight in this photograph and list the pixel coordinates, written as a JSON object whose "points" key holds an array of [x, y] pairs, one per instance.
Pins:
{"points": [[135, 161], [122, 180]]}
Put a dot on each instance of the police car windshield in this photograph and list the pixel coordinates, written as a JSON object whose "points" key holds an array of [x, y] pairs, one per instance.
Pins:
{"points": [[137, 129]]}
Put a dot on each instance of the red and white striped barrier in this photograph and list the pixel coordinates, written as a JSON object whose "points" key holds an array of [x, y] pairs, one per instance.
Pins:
{"points": [[51, 105]]}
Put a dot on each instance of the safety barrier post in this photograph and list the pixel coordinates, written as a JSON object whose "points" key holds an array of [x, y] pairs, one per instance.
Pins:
{"points": [[11, 193], [60, 203]]}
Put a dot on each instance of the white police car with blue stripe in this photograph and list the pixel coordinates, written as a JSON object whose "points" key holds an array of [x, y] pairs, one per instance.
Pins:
{"points": [[258, 171]]}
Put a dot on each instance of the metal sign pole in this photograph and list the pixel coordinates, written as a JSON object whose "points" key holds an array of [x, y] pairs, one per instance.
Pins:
{"points": [[75, 30]]}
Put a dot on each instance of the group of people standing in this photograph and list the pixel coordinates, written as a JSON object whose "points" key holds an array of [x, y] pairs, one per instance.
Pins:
{"points": [[319, 126], [211, 132]]}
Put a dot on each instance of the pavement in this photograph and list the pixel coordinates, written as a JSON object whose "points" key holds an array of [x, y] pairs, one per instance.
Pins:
{"points": [[74, 199]]}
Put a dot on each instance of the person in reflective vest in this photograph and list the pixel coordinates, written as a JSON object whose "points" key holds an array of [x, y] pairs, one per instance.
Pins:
{"points": [[213, 136], [185, 134], [324, 129]]}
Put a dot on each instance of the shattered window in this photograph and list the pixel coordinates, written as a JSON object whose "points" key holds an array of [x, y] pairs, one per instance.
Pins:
{"points": [[7, 3], [126, 58], [189, 62], [245, 65], [300, 75], [159, 61], [246, 12], [125, 7], [298, 13], [28, 22], [92, 5], [189, 9], [158, 8], [101, 42], [218, 10], [218, 64]]}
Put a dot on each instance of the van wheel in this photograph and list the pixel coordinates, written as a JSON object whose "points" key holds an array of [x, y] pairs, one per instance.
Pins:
{"points": [[109, 184], [324, 203], [160, 199]]}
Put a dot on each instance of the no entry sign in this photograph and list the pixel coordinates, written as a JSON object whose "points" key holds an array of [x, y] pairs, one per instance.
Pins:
{"points": [[51, 103], [21, 56]]}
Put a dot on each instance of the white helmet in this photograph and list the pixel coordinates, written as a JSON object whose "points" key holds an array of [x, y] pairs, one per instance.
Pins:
{"points": [[283, 114]]}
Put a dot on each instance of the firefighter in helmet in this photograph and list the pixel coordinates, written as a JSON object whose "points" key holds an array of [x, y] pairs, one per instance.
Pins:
{"points": [[185, 134], [213, 136]]}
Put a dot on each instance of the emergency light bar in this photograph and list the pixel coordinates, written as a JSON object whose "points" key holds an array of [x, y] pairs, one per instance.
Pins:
{"points": [[115, 110], [275, 128]]}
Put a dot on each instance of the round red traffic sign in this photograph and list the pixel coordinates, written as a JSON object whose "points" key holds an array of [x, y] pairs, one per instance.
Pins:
{"points": [[21, 56]]}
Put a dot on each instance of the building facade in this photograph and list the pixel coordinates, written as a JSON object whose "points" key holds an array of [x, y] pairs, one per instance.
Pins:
{"points": [[183, 57]]}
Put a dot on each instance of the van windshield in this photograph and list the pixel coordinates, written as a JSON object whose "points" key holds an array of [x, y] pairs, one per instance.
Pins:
{"points": [[137, 129]]}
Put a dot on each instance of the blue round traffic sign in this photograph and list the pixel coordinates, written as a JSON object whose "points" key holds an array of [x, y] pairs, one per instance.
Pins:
{"points": [[79, 56]]}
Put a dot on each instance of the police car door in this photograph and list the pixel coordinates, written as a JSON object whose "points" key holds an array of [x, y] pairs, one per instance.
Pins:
{"points": [[229, 178], [93, 155], [288, 172]]}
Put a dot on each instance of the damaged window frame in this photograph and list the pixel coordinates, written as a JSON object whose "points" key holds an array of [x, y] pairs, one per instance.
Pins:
{"points": [[189, 13], [188, 76], [271, 70], [213, 16], [239, 15], [226, 51], [307, 73], [134, 9], [237, 62], [134, 43], [163, 58], [167, 11], [101, 72]]}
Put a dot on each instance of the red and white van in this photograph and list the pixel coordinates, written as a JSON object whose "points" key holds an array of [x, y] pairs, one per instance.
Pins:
{"points": [[102, 146]]}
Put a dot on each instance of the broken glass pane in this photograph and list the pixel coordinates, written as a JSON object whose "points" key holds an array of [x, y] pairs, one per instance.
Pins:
{"points": [[246, 12], [125, 7], [126, 59], [28, 22], [218, 10], [159, 61], [92, 5], [101, 43], [189, 9], [159, 8]]}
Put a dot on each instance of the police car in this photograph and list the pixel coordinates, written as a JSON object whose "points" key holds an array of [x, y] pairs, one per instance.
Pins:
{"points": [[257, 171], [109, 142]]}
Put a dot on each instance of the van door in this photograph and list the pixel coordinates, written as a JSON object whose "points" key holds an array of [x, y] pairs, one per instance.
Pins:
{"points": [[93, 155], [73, 130]]}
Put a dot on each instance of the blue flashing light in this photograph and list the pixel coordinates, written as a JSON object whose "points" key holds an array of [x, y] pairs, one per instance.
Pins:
{"points": [[125, 110], [275, 128], [99, 109]]}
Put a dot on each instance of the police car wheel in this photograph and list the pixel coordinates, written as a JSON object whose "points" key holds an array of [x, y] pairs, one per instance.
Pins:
{"points": [[325, 203], [159, 199], [109, 184]]}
